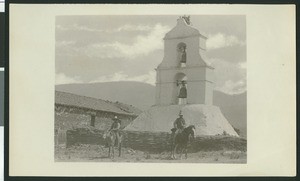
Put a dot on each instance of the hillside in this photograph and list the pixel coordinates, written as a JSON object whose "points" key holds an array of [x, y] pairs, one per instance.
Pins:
{"points": [[234, 108], [141, 95], [69, 99]]}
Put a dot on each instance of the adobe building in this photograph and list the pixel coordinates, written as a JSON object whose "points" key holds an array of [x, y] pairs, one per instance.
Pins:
{"points": [[184, 82], [74, 111]]}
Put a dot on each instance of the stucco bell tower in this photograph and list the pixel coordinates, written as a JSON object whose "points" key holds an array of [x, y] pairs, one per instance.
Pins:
{"points": [[183, 63], [184, 85]]}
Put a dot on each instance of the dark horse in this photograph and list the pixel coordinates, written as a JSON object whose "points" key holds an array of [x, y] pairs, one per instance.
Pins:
{"points": [[181, 140], [111, 140]]}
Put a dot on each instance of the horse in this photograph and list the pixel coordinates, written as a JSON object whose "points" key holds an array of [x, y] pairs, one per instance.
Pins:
{"points": [[181, 140], [111, 140]]}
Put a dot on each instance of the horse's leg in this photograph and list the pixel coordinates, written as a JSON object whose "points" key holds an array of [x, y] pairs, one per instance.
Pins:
{"points": [[181, 150], [113, 150], [108, 151], [174, 152], [186, 153], [119, 145], [120, 148], [174, 146]]}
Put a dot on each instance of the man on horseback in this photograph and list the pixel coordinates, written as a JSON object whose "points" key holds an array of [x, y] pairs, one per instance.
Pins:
{"points": [[179, 125], [113, 137], [181, 136], [115, 127]]}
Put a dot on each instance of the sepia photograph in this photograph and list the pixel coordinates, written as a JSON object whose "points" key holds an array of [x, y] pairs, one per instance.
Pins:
{"points": [[151, 88], [172, 90]]}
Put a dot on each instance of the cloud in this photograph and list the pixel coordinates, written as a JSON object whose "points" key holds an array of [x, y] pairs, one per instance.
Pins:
{"points": [[61, 78], [243, 65], [221, 40], [126, 27], [230, 78], [121, 76], [141, 46], [77, 27], [149, 78], [64, 43], [129, 27], [61, 28], [231, 87]]}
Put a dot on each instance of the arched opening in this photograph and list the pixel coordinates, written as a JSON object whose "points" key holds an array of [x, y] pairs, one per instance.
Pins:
{"points": [[181, 88], [181, 54]]}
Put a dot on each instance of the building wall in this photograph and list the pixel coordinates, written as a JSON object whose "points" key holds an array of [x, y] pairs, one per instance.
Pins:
{"points": [[202, 43], [70, 118]]}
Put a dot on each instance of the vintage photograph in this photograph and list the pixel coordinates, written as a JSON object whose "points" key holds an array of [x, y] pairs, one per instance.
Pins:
{"points": [[151, 88]]}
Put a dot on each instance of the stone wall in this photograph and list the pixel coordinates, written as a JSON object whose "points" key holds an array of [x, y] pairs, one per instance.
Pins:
{"points": [[71, 118], [156, 142]]}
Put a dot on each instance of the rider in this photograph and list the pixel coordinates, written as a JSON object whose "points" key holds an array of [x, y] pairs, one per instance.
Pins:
{"points": [[115, 127], [179, 124]]}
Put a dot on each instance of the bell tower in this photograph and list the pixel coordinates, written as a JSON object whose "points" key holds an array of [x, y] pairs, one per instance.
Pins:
{"points": [[184, 84], [183, 76]]}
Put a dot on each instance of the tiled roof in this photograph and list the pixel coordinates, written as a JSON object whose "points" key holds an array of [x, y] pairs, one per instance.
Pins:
{"points": [[69, 99]]}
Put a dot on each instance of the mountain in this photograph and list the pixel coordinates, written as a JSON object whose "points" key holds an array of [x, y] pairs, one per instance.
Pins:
{"points": [[91, 103], [141, 95], [234, 108]]}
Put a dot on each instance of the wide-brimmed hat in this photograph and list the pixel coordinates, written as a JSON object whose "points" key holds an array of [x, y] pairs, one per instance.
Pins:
{"points": [[116, 118], [180, 113]]}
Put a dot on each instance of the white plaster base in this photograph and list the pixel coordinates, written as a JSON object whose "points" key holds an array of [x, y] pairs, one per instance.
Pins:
{"points": [[207, 119]]}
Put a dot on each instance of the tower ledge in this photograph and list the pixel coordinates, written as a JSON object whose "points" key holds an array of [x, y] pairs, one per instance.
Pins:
{"points": [[160, 67]]}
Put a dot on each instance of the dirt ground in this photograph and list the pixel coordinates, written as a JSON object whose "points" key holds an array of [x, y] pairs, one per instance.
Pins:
{"points": [[99, 153]]}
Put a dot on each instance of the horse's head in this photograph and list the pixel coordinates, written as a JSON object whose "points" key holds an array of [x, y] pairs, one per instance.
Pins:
{"points": [[192, 130], [106, 134]]}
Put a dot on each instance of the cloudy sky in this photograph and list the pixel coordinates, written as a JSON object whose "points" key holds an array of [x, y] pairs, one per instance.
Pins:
{"points": [[118, 48]]}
